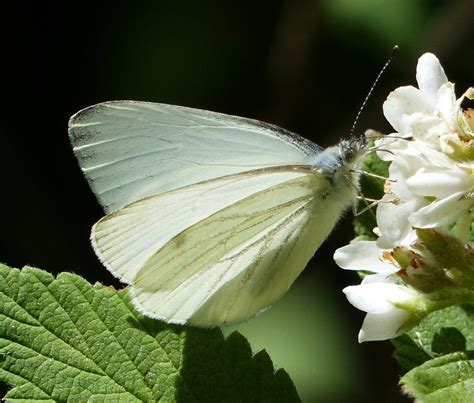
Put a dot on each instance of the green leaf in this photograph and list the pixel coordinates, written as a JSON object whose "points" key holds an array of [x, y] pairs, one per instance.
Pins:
{"points": [[445, 331], [371, 188], [65, 339], [449, 378], [440, 355]]}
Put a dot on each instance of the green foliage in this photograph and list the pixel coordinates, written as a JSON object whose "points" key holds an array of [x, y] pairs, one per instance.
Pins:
{"points": [[371, 188], [445, 331], [439, 353], [65, 339], [448, 378]]}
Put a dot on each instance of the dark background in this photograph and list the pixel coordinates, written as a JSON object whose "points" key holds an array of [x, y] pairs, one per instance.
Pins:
{"points": [[304, 65]]}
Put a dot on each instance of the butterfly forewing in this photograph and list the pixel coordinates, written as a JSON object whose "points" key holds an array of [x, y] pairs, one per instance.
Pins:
{"points": [[130, 150]]}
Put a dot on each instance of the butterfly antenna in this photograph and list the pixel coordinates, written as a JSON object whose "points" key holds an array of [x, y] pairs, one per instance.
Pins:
{"points": [[387, 63]]}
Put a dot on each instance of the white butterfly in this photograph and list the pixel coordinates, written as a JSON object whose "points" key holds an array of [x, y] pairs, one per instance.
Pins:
{"points": [[210, 218]]}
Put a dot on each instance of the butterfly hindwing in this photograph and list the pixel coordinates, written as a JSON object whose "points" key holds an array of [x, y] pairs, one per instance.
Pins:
{"points": [[124, 240], [225, 266]]}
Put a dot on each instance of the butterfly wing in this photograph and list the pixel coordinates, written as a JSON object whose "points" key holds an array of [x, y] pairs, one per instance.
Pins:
{"points": [[129, 150], [211, 217], [230, 264]]}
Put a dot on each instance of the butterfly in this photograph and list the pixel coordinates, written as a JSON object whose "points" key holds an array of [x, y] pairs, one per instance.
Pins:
{"points": [[209, 218]]}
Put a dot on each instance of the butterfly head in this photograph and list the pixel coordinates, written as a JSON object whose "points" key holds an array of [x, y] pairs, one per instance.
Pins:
{"points": [[352, 149], [341, 158]]}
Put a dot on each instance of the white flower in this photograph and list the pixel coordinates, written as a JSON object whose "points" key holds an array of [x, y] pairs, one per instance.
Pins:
{"points": [[378, 295], [430, 113], [428, 190], [452, 189], [430, 186], [387, 306], [383, 320]]}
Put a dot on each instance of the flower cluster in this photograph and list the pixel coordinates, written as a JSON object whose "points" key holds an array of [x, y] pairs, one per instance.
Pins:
{"points": [[422, 259]]}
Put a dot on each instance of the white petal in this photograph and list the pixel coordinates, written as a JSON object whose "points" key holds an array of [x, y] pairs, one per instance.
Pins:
{"points": [[383, 277], [428, 129], [442, 212], [439, 182], [434, 157], [383, 326], [378, 298], [403, 167], [404, 101], [430, 74], [446, 104], [392, 221], [423, 127], [389, 143], [363, 255]]}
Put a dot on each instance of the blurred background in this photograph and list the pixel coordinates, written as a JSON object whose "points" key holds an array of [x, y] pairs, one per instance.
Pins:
{"points": [[304, 65]]}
